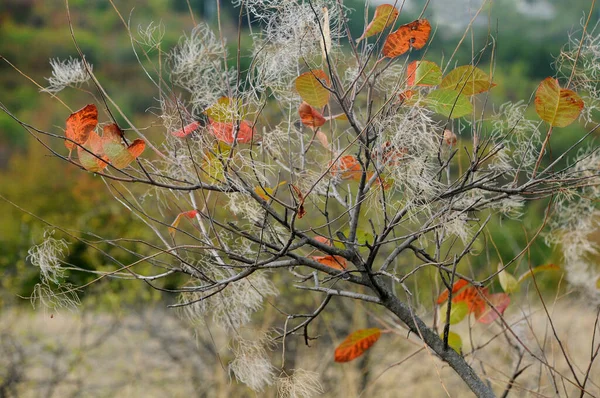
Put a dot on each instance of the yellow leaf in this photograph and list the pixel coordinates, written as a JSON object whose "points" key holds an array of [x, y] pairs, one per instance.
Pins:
{"points": [[508, 282], [311, 87]]}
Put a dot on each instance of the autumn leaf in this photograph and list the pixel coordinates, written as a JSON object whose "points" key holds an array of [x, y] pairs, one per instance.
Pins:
{"points": [[473, 297], [310, 87], [423, 73], [539, 268], [190, 214], [458, 312], [507, 281], [226, 110], [346, 167], [186, 130], [389, 154], [449, 103], [557, 106], [96, 160], [266, 192], [450, 138], [310, 116], [79, 126], [385, 15], [225, 132], [414, 34], [458, 285], [467, 80], [301, 211], [499, 301], [356, 344], [336, 262], [323, 240], [120, 156]]}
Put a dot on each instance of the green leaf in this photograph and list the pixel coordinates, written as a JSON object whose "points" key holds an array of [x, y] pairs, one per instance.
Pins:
{"points": [[385, 15], [559, 107], [508, 282], [362, 236], [449, 103], [310, 87], [454, 341], [458, 312], [467, 80], [423, 73]]}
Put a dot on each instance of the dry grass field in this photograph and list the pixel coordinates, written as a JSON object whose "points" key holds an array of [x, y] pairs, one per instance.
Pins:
{"points": [[154, 354]]}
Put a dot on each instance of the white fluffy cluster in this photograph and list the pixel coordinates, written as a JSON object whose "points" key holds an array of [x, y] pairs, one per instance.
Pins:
{"points": [[519, 136], [581, 59], [574, 232], [197, 65], [252, 365], [292, 36], [47, 256], [301, 384], [416, 133], [233, 306], [67, 73]]}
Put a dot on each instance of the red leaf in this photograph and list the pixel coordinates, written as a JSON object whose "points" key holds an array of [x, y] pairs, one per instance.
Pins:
{"points": [[500, 301], [310, 116], [324, 240], [301, 211], [414, 34], [224, 132], [390, 154], [190, 214], [455, 288], [356, 344], [347, 168], [186, 130], [473, 297], [336, 262], [80, 124]]}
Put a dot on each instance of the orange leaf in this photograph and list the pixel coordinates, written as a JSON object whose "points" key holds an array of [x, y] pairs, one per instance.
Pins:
{"points": [[455, 288], [347, 168], [336, 262], [500, 301], [115, 150], [301, 211], [310, 116], [414, 34], [389, 154], [190, 214], [385, 15], [356, 344], [224, 132], [473, 297], [324, 240], [136, 148], [80, 124], [186, 130]]}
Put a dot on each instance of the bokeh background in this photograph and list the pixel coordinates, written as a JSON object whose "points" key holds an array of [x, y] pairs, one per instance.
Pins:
{"points": [[124, 342]]}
